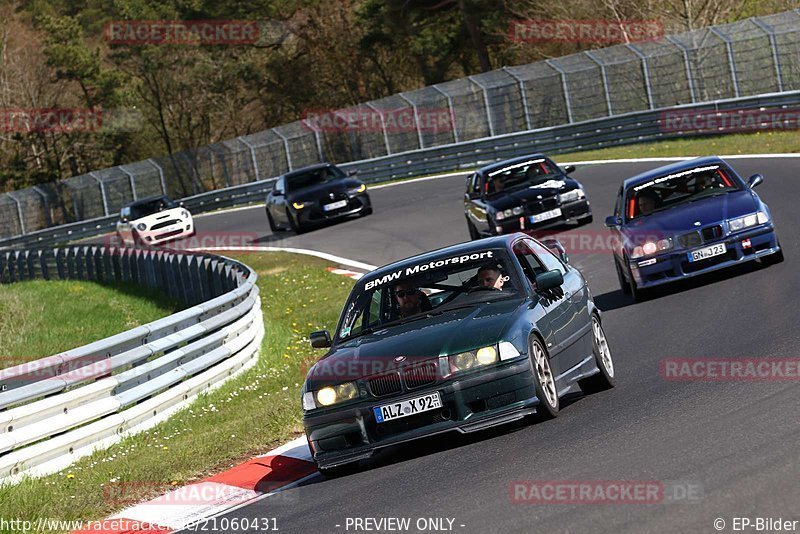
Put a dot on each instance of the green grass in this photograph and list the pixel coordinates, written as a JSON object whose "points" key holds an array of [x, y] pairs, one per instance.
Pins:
{"points": [[41, 318], [251, 414]]}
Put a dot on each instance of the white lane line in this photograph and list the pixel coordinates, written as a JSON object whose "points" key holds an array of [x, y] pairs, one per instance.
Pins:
{"points": [[324, 255]]}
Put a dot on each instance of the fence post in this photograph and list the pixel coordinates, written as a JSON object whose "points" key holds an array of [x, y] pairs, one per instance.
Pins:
{"points": [[131, 180], [416, 118], [47, 216], [689, 76], [452, 111], [771, 34], [317, 139], [731, 60], [524, 97], [252, 157], [564, 87], [102, 192], [383, 127], [604, 74], [160, 174], [286, 148], [19, 212], [485, 104], [646, 71]]}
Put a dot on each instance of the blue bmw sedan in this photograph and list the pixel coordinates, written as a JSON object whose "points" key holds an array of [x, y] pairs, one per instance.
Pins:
{"points": [[686, 219]]}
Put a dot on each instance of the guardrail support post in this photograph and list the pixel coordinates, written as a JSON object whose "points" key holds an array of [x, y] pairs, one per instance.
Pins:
{"points": [[771, 34], [252, 157], [564, 87], [48, 219]]}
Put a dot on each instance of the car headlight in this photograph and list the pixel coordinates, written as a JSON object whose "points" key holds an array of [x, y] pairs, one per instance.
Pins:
{"points": [[740, 223], [505, 214], [184, 214], [335, 394], [141, 226], [298, 205], [465, 361], [651, 247], [357, 190], [571, 196]]}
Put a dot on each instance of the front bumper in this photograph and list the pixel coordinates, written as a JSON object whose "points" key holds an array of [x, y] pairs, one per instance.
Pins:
{"points": [[571, 212], [314, 214], [675, 264], [479, 400]]}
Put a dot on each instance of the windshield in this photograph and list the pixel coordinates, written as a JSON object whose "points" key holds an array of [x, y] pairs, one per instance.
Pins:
{"points": [[137, 211], [534, 172], [433, 287], [679, 188], [314, 177]]}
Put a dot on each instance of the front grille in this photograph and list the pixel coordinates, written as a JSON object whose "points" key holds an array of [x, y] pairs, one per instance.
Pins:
{"points": [[383, 385], [420, 375], [711, 233], [692, 239], [164, 224], [538, 206], [166, 235]]}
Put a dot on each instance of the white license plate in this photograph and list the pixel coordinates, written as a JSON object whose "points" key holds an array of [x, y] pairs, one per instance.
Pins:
{"points": [[396, 410], [707, 252], [334, 206], [552, 214]]}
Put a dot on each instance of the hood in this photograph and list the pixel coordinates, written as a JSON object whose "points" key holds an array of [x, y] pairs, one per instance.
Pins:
{"points": [[165, 215], [316, 192], [517, 197], [453, 331], [707, 211]]}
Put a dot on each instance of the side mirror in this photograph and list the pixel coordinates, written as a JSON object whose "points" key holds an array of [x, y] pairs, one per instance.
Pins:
{"points": [[124, 219], [569, 168], [549, 280], [555, 246], [755, 180], [277, 193], [352, 172], [320, 339], [473, 195], [612, 221]]}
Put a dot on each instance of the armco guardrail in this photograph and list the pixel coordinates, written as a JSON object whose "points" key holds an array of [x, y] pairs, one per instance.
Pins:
{"points": [[57, 409], [591, 134]]}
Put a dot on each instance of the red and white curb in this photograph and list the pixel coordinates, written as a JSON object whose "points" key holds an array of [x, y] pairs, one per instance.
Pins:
{"points": [[350, 274], [261, 476]]}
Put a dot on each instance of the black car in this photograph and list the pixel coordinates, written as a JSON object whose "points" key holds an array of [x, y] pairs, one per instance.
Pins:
{"points": [[313, 195], [458, 339], [523, 194]]}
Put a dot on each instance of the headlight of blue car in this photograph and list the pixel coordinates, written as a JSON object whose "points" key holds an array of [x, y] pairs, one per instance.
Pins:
{"points": [[651, 247], [740, 223], [330, 395], [505, 214], [465, 361]]}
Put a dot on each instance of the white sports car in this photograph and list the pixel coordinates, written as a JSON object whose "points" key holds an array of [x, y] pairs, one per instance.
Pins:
{"points": [[152, 221]]}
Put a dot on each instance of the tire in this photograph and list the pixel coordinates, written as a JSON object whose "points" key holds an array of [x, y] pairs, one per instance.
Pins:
{"points": [[543, 381], [586, 220], [137, 241], [602, 356], [473, 232], [293, 225], [271, 222], [623, 284]]}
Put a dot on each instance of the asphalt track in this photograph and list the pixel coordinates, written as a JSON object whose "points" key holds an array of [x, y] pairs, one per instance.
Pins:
{"points": [[736, 445]]}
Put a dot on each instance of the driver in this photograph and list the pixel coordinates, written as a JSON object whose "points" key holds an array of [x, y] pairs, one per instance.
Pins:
{"points": [[491, 276], [410, 300], [646, 202]]}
